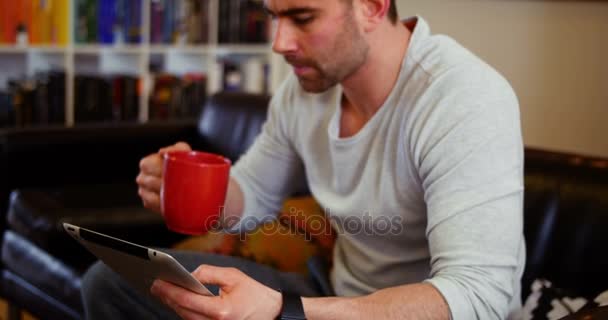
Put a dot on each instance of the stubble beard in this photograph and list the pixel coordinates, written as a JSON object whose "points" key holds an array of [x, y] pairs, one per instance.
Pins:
{"points": [[354, 49]]}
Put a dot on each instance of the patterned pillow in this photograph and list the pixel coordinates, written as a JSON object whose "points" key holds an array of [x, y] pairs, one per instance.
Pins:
{"points": [[548, 302], [286, 244]]}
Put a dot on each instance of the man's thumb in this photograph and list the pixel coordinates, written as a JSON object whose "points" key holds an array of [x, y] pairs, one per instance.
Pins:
{"points": [[223, 277]]}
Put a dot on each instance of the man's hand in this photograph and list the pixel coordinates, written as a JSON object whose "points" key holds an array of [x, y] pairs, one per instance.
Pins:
{"points": [[241, 297], [150, 176]]}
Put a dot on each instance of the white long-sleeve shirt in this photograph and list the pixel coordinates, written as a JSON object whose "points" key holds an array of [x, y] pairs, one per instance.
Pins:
{"points": [[437, 173]]}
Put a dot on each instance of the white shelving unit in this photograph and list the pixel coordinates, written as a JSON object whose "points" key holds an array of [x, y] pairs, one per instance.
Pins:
{"points": [[135, 59]]}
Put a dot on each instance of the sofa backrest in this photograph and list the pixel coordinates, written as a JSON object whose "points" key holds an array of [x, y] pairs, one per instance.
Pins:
{"points": [[230, 122], [91, 154], [566, 221]]}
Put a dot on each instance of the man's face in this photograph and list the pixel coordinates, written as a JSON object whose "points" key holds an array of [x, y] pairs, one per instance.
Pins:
{"points": [[319, 38]]}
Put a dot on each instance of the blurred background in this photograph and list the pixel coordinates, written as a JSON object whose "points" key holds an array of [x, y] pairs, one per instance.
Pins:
{"points": [[554, 53]]}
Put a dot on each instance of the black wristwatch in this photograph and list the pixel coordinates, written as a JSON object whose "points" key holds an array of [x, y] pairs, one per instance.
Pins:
{"points": [[292, 307]]}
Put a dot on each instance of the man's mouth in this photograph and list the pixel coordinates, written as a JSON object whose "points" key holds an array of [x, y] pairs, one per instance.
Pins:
{"points": [[299, 67], [301, 70]]}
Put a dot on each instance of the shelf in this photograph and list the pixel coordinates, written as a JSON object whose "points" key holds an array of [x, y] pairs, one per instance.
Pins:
{"points": [[226, 49], [207, 49], [136, 59], [188, 49], [7, 48], [222, 49], [101, 49]]}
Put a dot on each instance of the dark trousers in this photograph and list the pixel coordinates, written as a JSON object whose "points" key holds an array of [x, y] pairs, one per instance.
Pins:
{"points": [[107, 296]]}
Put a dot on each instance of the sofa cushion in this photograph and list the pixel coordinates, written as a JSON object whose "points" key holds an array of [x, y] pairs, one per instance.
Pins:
{"points": [[286, 244], [47, 277], [35, 301]]}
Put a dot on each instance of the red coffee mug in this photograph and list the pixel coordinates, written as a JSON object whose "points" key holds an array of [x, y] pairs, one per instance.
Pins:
{"points": [[193, 190]]}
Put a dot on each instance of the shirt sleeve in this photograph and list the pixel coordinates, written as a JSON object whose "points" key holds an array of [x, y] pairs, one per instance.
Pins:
{"points": [[269, 170], [471, 169]]}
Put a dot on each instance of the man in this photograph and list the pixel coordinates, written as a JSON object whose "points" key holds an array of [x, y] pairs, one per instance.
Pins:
{"points": [[385, 121]]}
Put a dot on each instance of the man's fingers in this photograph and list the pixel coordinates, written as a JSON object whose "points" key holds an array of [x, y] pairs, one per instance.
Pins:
{"points": [[148, 182], [152, 165], [186, 302], [188, 315], [150, 199], [223, 277], [180, 146]]}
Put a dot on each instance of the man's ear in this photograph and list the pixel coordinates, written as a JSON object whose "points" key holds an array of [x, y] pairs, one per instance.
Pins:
{"points": [[372, 12]]}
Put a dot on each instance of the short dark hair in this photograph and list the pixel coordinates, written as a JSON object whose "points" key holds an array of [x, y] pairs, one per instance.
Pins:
{"points": [[392, 14]]}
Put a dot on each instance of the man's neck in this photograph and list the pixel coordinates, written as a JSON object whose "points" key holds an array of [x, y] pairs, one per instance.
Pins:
{"points": [[368, 88]]}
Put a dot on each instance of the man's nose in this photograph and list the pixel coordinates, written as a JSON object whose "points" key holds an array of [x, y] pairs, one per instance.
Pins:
{"points": [[283, 41]]}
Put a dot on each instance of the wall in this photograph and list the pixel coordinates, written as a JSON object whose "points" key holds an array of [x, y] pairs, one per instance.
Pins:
{"points": [[554, 53]]}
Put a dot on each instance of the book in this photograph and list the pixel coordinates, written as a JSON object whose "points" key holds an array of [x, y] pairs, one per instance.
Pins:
{"points": [[197, 22], [40, 27], [16, 15], [130, 106], [56, 96], [8, 21], [156, 20], [35, 101], [255, 23], [92, 99], [133, 20], [161, 96], [106, 98], [178, 98], [106, 20], [86, 21], [243, 21], [6, 116], [168, 21], [60, 22]]}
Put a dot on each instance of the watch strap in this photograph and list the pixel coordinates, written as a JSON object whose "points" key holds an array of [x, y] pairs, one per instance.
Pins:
{"points": [[292, 307]]}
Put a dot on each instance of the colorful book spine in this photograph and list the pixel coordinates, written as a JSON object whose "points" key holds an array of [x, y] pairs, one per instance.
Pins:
{"points": [[15, 15], [105, 21], [134, 21], [40, 29], [92, 7], [4, 21], [80, 23], [156, 22], [86, 26], [60, 22], [168, 21]]}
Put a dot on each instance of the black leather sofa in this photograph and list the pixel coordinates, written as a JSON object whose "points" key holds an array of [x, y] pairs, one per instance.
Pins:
{"points": [[86, 176], [566, 221], [566, 205]]}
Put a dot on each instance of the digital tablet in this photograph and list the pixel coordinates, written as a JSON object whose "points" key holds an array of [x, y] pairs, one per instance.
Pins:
{"points": [[138, 265]]}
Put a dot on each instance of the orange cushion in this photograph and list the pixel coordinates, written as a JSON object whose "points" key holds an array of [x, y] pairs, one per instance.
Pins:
{"points": [[285, 244]]}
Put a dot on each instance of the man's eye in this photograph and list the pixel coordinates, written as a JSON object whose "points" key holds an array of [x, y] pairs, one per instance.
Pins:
{"points": [[302, 20]]}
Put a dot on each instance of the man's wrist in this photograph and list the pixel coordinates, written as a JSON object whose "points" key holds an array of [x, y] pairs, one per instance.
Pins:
{"points": [[278, 303]]}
